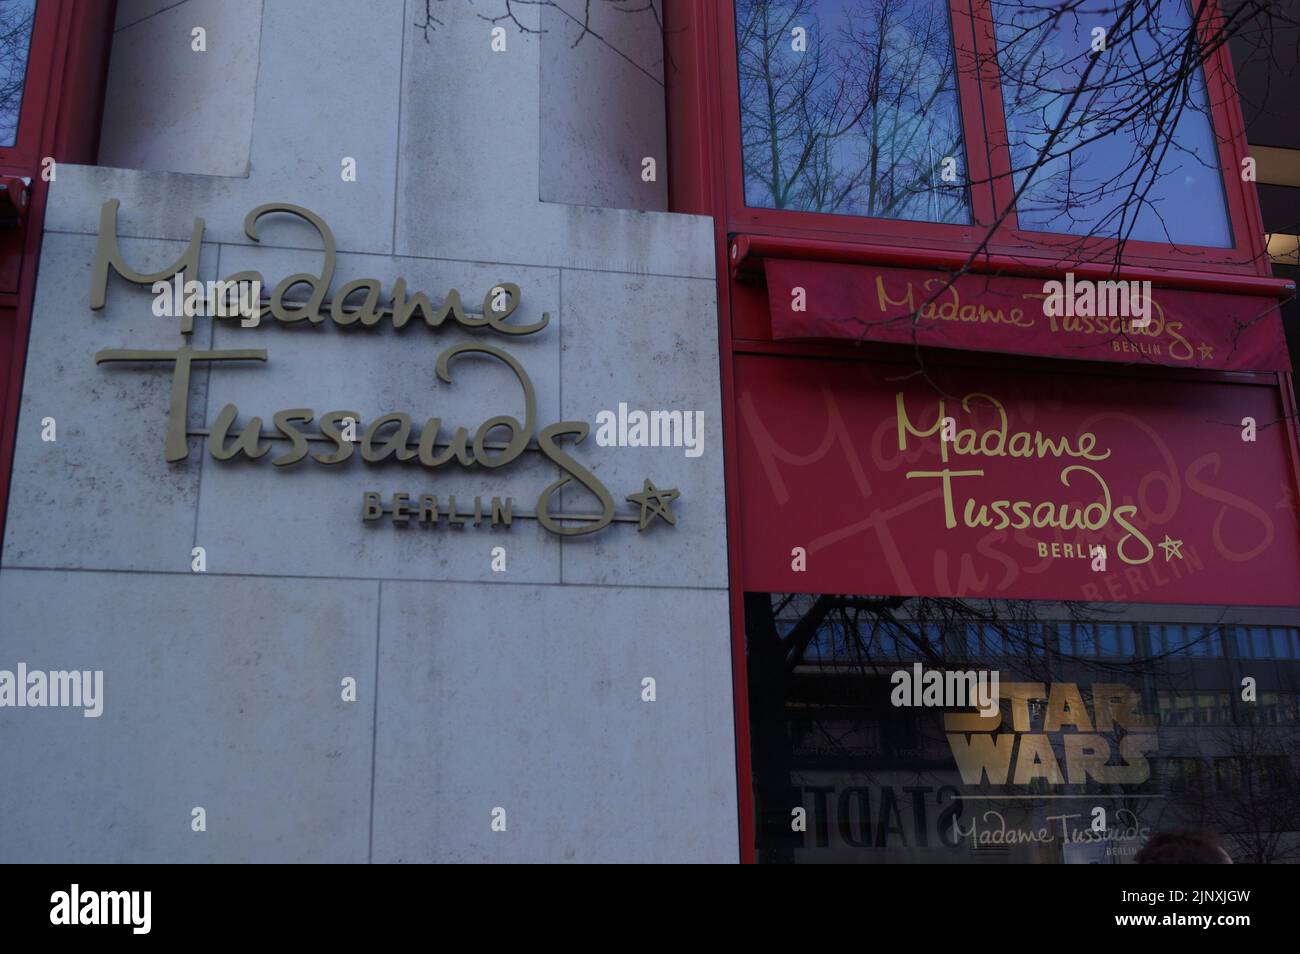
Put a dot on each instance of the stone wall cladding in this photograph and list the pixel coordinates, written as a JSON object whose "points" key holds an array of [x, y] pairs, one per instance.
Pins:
{"points": [[477, 689]]}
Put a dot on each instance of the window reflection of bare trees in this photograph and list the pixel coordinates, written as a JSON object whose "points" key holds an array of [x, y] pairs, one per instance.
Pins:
{"points": [[858, 123], [1137, 144], [820, 717], [16, 18], [1242, 780], [1113, 144]]}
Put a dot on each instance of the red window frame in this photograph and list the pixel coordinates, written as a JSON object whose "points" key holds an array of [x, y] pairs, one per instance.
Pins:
{"points": [[42, 51], [983, 122]]}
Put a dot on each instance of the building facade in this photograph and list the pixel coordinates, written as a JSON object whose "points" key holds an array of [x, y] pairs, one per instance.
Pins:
{"points": [[949, 457], [499, 670], [439, 431]]}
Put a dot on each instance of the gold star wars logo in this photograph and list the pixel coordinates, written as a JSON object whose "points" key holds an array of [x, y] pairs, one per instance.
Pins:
{"points": [[1027, 753]]}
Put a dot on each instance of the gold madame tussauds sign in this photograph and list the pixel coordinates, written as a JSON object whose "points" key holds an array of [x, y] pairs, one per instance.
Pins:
{"points": [[390, 437]]}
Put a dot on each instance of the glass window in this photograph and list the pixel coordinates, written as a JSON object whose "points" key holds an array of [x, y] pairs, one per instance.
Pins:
{"points": [[884, 781], [15, 39], [954, 642], [1185, 774], [1273, 772], [1227, 774], [1213, 709], [823, 641], [1205, 708], [858, 115], [1034, 638], [1052, 638], [1115, 143], [885, 640], [1108, 640]]}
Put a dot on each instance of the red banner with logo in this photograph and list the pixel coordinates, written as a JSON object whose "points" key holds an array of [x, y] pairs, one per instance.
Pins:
{"points": [[1076, 318], [853, 482]]}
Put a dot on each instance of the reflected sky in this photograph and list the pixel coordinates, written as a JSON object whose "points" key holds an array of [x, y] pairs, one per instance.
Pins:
{"points": [[15, 38]]}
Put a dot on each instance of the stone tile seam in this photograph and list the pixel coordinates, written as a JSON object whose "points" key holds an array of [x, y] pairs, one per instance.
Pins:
{"points": [[374, 717], [149, 16], [397, 145], [10, 567], [207, 392], [559, 376], [257, 85]]}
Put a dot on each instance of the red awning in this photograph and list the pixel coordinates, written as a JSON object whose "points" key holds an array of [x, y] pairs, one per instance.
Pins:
{"points": [[1083, 320], [1187, 487]]}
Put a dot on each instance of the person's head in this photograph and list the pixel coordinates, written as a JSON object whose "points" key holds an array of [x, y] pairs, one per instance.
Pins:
{"points": [[1183, 848]]}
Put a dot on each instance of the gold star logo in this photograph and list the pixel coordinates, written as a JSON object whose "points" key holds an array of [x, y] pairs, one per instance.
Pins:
{"points": [[1172, 548], [660, 508], [1207, 351]]}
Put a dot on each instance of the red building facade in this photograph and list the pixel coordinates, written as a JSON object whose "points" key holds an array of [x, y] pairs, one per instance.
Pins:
{"points": [[930, 463]]}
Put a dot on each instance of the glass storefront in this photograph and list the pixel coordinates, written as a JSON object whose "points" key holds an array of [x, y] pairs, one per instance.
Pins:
{"points": [[1112, 723]]}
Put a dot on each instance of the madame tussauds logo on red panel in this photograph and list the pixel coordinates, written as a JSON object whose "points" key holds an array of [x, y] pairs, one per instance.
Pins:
{"points": [[1000, 441], [856, 477]]}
